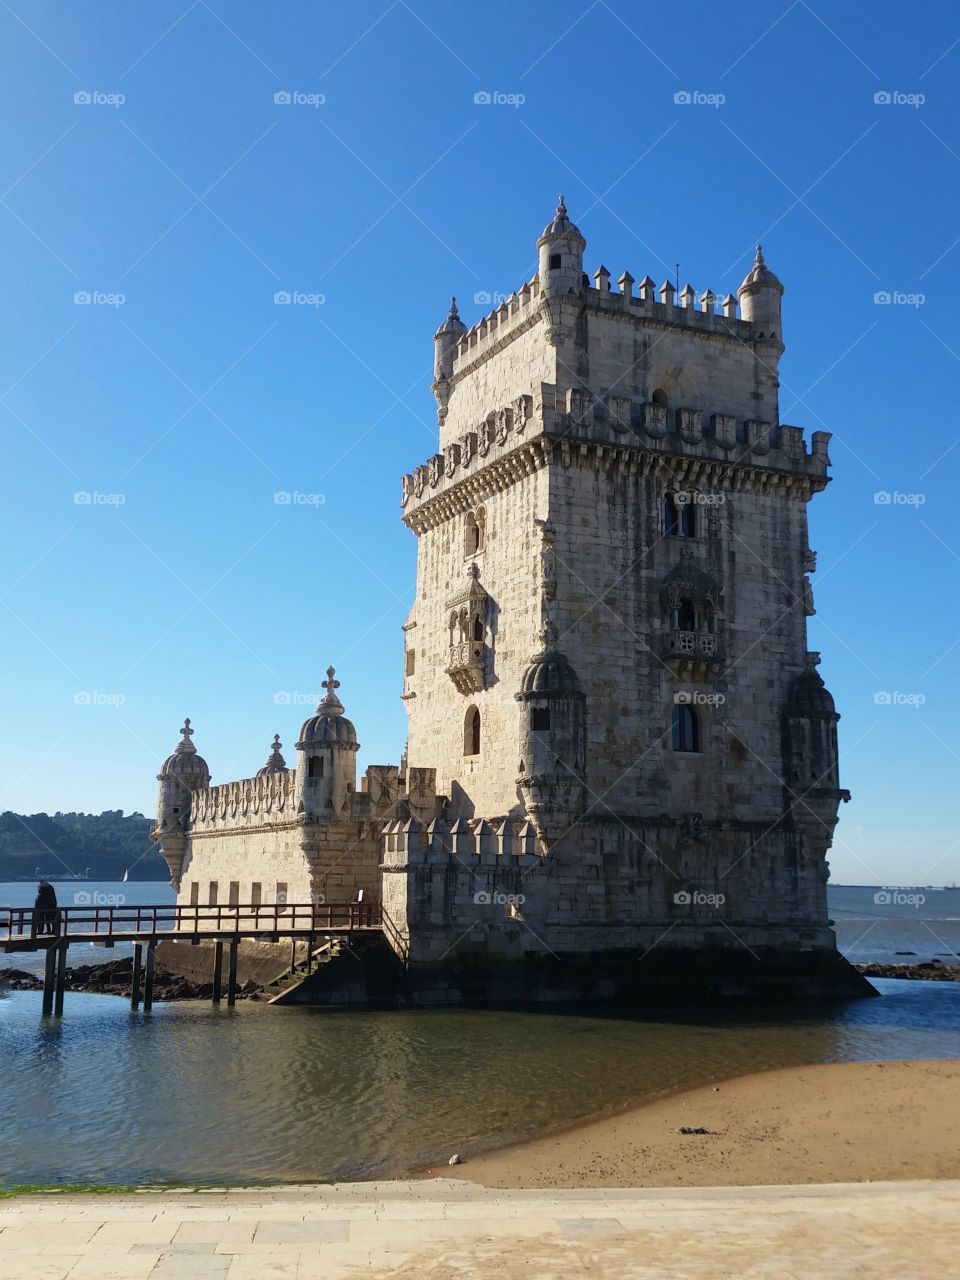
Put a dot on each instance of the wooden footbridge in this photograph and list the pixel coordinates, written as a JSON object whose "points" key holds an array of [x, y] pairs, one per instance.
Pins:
{"points": [[24, 929]]}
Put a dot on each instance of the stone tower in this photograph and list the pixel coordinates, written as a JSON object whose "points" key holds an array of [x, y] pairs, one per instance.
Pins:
{"points": [[606, 663]]}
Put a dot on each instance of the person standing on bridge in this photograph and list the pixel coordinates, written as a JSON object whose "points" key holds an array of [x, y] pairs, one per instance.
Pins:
{"points": [[45, 908]]}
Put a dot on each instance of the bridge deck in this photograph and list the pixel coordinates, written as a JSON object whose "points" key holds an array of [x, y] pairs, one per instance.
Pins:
{"points": [[24, 929]]}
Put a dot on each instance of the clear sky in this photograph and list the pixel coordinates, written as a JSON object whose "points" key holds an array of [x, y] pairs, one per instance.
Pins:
{"points": [[180, 196]]}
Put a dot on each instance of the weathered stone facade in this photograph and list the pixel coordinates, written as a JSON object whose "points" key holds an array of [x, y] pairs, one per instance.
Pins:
{"points": [[618, 741]]}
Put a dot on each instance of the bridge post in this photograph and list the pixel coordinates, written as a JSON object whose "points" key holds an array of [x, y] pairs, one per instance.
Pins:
{"points": [[148, 981], [232, 974], [217, 970], [137, 969], [61, 978], [49, 972]]}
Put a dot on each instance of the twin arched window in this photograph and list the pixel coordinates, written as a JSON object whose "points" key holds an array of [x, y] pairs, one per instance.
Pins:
{"points": [[471, 732]]}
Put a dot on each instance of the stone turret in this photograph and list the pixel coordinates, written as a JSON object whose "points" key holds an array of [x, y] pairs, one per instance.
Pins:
{"points": [[810, 752], [552, 740], [760, 295], [326, 758], [183, 772], [561, 249], [444, 349], [275, 761]]}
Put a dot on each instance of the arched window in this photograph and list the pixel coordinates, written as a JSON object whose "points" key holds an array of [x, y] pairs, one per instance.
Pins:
{"points": [[481, 518], [539, 719], [315, 767], [478, 628], [671, 516], [471, 535], [471, 733], [660, 397], [686, 728], [679, 515], [555, 261], [686, 616]]}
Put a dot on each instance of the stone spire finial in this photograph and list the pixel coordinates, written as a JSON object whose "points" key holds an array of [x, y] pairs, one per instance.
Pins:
{"points": [[758, 257], [185, 746], [330, 704]]}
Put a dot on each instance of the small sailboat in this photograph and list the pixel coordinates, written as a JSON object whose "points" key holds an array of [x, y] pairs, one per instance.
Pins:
{"points": [[126, 876]]}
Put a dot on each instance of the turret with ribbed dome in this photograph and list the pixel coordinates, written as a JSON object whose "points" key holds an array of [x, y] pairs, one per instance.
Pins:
{"points": [[183, 772], [444, 349], [326, 756], [810, 751], [275, 761], [560, 248], [760, 295], [552, 739]]}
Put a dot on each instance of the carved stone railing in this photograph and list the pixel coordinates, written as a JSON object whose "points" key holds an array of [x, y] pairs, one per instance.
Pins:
{"points": [[467, 665], [695, 646]]}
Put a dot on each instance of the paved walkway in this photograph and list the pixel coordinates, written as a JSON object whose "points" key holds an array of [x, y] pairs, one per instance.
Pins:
{"points": [[444, 1229]]}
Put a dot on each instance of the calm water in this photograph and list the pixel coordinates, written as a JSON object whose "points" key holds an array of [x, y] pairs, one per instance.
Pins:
{"points": [[192, 1093]]}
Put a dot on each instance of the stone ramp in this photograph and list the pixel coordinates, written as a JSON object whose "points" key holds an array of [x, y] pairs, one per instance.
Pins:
{"points": [[440, 1229]]}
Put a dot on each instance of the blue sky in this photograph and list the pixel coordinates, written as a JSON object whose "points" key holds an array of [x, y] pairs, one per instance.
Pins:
{"points": [[384, 187]]}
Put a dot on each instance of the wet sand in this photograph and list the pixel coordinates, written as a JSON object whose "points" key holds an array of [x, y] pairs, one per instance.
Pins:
{"points": [[843, 1122]]}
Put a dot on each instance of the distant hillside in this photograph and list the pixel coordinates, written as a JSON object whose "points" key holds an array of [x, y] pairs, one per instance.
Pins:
{"points": [[108, 843]]}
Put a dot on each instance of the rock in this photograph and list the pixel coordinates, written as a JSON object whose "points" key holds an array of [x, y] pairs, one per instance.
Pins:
{"points": [[904, 953], [691, 1128], [455, 1160]]}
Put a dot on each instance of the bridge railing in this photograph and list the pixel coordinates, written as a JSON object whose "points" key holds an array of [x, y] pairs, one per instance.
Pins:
{"points": [[224, 918]]}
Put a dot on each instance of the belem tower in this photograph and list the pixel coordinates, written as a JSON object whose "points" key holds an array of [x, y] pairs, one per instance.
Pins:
{"points": [[621, 770]]}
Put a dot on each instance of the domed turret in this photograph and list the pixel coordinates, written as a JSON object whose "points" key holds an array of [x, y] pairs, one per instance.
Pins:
{"points": [[810, 752], [552, 739], [760, 295], [184, 763], [561, 249], [444, 349], [183, 772], [275, 761], [326, 756]]}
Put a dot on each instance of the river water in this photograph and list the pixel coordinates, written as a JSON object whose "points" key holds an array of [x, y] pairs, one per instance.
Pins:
{"points": [[194, 1094]]}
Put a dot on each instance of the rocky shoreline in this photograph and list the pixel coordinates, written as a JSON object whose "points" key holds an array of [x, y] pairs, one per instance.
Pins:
{"points": [[115, 978], [926, 970]]}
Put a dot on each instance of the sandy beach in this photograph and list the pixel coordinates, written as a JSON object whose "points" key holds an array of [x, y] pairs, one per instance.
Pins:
{"points": [[845, 1122]]}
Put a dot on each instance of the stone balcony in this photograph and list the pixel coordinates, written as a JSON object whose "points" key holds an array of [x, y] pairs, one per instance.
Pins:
{"points": [[467, 665], [693, 646]]}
